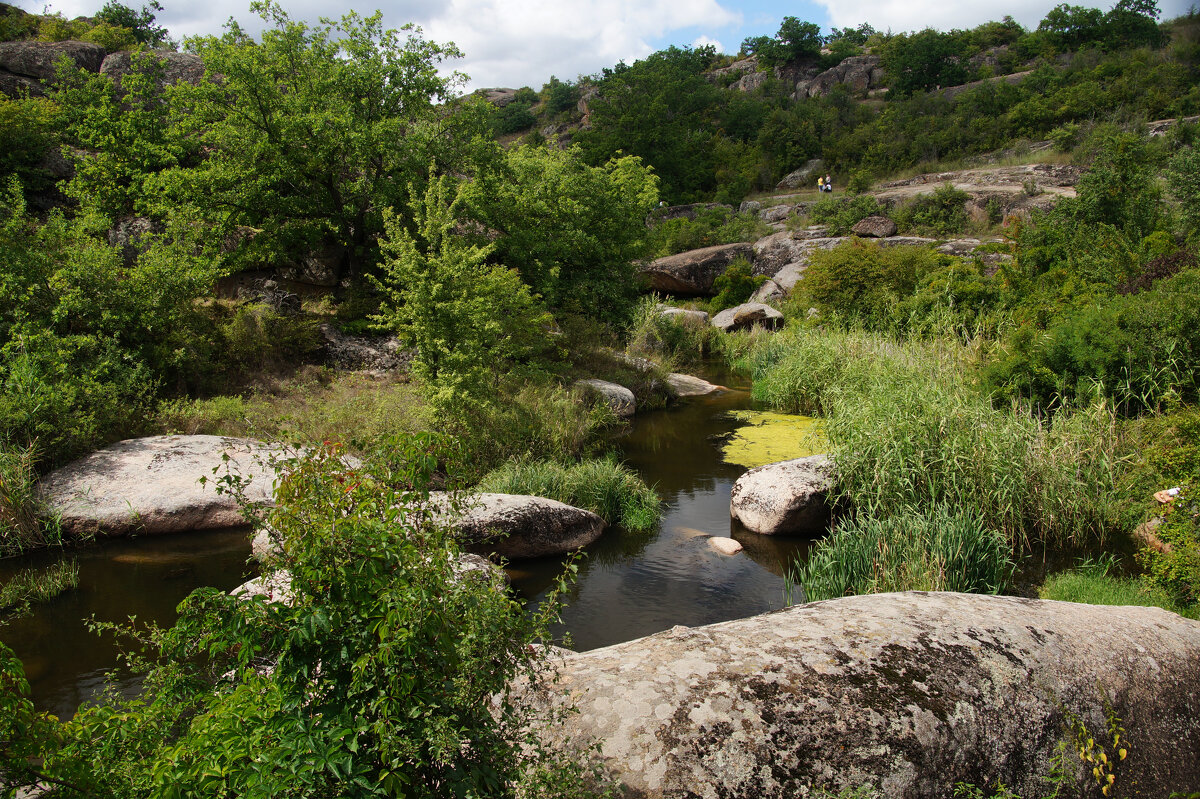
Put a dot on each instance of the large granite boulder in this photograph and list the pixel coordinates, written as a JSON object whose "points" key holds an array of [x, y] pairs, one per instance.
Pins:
{"points": [[683, 315], [175, 67], [804, 176], [694, 272], [152, 485], [514, 526], [908, 693], [786, 497], [616, 396], [773, 252], [39, 60], [877, 227], [748, 315], [691, 386]]}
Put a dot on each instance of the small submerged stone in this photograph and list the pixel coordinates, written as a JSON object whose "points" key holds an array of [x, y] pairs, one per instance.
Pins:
{"points": [[725, 546]]}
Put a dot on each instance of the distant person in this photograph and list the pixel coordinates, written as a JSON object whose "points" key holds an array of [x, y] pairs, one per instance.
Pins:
{"points": [[820, 184], [829, 183]]}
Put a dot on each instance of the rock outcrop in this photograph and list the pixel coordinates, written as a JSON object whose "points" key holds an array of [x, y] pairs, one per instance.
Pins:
{"points": [[175, 67], [748, 315], [802, 177], [515, 526], [684, 315], [619, 398], [39, 60], [375, 354], [876, 227], [909, 693], [858, 73], [152, 485], [785, 497], [693, 273]]}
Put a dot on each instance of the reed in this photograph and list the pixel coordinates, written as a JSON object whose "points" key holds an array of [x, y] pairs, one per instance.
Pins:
{"points": [[31, 586], [602, 485], [25, 521]]}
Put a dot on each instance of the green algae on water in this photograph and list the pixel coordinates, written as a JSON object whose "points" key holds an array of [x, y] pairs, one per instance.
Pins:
{"points": [[770, 437]]}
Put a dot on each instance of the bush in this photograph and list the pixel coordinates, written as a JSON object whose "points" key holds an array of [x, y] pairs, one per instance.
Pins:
{"points": [[942, 213], [843, 213], [734, 286], [710, 227], [938, 549], [1177, 572], [864, 282], [605, 487], [390, 672]]}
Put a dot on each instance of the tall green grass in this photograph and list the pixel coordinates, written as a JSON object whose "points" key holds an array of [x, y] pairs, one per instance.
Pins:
{"points": [[909, 428], [30, 586], [927, 549], [25, 521], [602, 485]]}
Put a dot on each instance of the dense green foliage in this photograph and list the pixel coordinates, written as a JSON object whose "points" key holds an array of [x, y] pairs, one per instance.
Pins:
{"points": [[389, 671], [114, 27], [710, 226], [931, 549]]}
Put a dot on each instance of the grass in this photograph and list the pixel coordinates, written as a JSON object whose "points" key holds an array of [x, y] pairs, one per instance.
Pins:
{"points": [[30, 586], [604, 486], [909, 428], [25, 521], [673, 341], [930, 549], [314, 406], [1096, 589]]}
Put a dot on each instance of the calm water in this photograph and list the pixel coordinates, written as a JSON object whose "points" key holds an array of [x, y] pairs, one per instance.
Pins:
{"points": [[629, 585], [633, 585]]}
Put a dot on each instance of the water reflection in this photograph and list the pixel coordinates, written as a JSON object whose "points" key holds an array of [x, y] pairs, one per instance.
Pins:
{"points": [[143, 577], [628, 588]]}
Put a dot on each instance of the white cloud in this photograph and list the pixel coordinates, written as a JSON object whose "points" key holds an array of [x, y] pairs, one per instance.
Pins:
{"points": [[705, 41], [524, 42], [910, 15]]}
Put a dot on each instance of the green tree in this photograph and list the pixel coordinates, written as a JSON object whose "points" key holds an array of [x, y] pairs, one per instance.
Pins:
{"points": [[139, 23], [467, 319], [571, 230], [664, 110], [925, 60], [313, 131], [793, 41]]}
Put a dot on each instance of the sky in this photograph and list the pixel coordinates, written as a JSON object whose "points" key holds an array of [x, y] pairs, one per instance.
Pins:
{"points": [[518, 43]]}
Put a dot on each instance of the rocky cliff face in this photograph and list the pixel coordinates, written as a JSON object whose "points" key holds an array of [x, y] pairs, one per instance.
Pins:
{"points": [[909, 693]]}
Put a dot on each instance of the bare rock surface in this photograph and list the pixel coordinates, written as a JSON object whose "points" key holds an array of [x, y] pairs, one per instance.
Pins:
{"points": [[515, 526], [619, 398], [690, 386], [748, 315], [800, 178], [908, 693], [786, 497], [693, 272], [175, 66], [152, 485], [876, 227], [38, 60], [376, 354], [1013, 188], [770, 290]]}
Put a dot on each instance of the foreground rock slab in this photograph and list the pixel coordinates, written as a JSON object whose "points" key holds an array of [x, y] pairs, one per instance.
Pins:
{"points": [[786, 497], [152, 485], [909, 693], [515, 526]]}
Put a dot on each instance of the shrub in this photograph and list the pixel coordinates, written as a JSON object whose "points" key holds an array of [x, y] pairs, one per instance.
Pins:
{"points": [[843, 213], [675, 340], [1177, 572], [389, 672], [864, 282], [938, 549], [939, 214], [709, 227], [734, 286], [604, 486]]}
